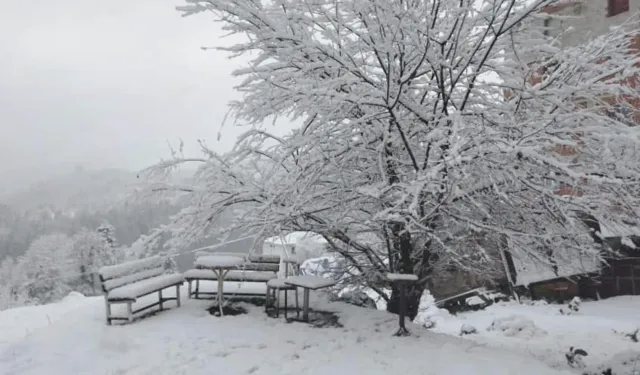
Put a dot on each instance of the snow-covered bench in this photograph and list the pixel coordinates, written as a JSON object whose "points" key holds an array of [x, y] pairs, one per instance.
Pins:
{"points": [[257, 269], [126, 282]]}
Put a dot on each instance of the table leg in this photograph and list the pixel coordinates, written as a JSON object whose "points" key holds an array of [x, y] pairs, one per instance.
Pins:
{"points": [[305, 305], [221, 276]]}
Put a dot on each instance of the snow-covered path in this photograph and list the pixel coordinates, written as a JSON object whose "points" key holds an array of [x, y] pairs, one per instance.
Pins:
{"points": [[190, 341]]}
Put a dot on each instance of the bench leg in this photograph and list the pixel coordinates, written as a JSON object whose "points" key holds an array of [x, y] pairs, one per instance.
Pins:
{"points": [[160, 299], [297, 305], [286, 303], [277, 291], [189, 290], [266, 300], [130, 311], [178, 295], [108, 308], [197, 287]]}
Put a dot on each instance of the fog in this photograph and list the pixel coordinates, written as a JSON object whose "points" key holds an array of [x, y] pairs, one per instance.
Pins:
{"points": [[107, 84]]}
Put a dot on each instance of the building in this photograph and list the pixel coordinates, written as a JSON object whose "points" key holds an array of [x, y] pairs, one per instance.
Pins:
{"points": [[574, 22], [585, 19], [298, 245]]}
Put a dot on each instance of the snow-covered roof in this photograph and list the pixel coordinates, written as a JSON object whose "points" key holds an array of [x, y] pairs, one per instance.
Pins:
{"points": [[294, 238], [610, 229], [531, 270]]}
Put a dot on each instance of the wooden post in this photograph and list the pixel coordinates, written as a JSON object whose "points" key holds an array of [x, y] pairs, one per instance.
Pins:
{"points": [[108, 308], [130, 311], [401, 281], [178, 294], [402, 313], [286, 302], [266, 299]]}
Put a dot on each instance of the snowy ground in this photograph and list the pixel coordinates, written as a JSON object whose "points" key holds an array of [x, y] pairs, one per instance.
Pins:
{"points": [[542, 332], [71, 337]]}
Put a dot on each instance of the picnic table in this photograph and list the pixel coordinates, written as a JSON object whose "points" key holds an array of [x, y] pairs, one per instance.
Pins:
{"points": [[308, 282], [220, 265]]}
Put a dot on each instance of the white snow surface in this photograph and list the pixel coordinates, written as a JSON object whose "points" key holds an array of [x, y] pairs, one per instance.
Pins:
{"points": [[402, 276], [538, 330], [142, 287], [310, 281], [74, 339], [219, 261]]}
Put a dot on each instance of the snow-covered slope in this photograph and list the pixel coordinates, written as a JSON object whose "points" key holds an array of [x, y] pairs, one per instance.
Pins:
{"points": [[73, 339], [541, 331]]}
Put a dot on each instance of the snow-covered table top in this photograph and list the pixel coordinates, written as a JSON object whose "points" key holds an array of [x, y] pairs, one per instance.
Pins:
{"points": [[310, 282], [402, 277], [219, 262]]}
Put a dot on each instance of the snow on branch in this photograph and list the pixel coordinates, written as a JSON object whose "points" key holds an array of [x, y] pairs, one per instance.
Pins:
{"points": [[434, 133]]}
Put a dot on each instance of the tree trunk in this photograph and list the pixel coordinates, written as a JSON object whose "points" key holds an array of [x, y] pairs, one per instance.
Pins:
{"points": [[414, 293], [404, 263]]}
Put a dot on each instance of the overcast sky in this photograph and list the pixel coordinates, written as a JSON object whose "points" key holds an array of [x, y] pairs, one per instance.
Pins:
{"points": [[107, 83]]}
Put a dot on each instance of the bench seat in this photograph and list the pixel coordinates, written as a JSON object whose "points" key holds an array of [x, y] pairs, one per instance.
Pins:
{"points": [[253, 276], [143, 287]]}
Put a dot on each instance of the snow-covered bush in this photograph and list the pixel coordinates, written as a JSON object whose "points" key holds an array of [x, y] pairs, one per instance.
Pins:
{"points": [[428, 313], [633, 335], [516, 326], [468, 329], [625, 363], [356, 298], [49, 267], [93, 249], [574, 357], [12, 280], [428, 323], [572, 307]]}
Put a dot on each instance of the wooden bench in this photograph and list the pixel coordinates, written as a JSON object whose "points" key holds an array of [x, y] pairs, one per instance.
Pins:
{"points": [[126, 282], [258, 269], [458, 302]]}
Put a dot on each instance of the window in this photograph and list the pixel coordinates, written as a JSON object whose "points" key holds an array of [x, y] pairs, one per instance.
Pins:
{"points": [[617, 6]]}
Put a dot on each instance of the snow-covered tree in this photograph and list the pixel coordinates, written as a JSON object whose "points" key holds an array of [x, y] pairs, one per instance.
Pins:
{"points": [[107, 233], [425, 124], [12, 284], [92, 250], [49, 267]]}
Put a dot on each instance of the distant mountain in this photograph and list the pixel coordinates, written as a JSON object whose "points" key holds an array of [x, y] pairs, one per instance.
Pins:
{"points": [[78, 189], [81, 189]]}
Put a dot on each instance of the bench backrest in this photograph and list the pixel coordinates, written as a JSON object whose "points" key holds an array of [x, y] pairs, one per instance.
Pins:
{"points": [[204, 253], [256, 262], [118, 275]]}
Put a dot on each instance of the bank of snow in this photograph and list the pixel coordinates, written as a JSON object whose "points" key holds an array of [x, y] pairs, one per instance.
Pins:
{"points": [[540, 331], [190, 341]]}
